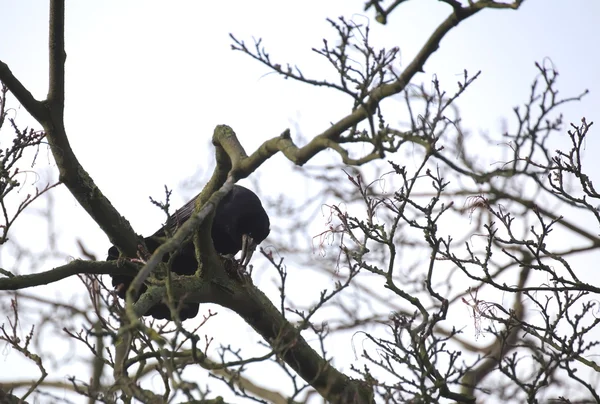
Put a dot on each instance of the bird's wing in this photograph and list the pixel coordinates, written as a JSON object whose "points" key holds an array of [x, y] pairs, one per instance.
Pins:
{"points": [[178, 218], [182, 214]]}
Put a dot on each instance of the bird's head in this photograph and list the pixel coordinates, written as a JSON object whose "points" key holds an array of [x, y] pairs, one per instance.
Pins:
{"points": [[254, 228]]}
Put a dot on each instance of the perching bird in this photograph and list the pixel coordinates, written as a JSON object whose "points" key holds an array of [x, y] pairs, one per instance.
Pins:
{"points": [[240, 223]]}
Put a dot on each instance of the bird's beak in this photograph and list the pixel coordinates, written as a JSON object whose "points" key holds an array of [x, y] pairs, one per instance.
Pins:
{"points": [[248, 247]]}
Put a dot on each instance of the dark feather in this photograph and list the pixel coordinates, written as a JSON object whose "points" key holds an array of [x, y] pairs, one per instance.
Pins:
{"points": [[240, 212]]}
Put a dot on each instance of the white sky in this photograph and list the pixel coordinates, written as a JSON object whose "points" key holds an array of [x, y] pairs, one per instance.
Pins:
{"points": [[147, 82]]}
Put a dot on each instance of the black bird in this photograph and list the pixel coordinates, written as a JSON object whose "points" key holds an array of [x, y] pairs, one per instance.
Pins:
{"points": [[240, 223]]}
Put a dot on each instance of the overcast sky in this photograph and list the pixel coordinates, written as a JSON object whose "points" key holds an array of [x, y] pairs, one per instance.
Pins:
{"points": [[147, 82]]}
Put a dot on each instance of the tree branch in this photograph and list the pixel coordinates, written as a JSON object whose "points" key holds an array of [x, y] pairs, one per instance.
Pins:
{"points": [[258, 311], [184, 231], [73, 268], [329, 138], [49, 114], [71, 173], [58, 56], [25, 98]]}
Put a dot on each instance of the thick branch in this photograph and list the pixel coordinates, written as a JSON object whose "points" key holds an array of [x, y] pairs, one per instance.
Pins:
{"points": [[72, 174], [34, 107], [56, 45], [258, 311], [50, 115], [72, 268]]}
